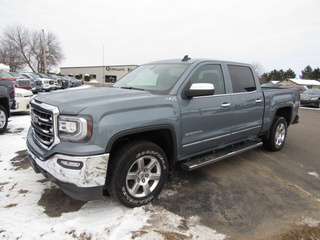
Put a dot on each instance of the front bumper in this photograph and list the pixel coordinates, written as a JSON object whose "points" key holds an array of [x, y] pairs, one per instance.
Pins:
{"points": [[311, 103], [22, 105], [83, 182]]}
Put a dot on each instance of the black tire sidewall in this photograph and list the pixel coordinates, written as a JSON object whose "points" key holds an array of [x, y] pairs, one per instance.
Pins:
{"points": [[122, 162], [2, 109], [276, 123]]}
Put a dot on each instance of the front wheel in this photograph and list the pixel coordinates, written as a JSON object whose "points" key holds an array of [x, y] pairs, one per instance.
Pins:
{"points": [[137, 173], [3, 119], [278, 133]]}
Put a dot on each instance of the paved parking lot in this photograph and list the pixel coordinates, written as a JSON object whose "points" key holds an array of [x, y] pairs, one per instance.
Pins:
{"points": [[255, 195], [258, 194]]}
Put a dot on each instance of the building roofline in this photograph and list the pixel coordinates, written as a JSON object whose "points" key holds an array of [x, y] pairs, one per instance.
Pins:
{"points": [[127, 65]]}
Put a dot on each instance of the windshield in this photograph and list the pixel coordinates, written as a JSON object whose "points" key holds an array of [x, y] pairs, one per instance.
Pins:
{"points": [[156, 78], [44, 75], [312, 92], [32, 75], [18, 75]]}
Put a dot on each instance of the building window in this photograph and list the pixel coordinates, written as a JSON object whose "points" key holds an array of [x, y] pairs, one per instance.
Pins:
{"points": [[110, 79]]}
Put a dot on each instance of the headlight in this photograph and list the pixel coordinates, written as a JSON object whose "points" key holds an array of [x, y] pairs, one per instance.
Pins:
{"points": [[18, 95], [314, 98], [75, 129]]}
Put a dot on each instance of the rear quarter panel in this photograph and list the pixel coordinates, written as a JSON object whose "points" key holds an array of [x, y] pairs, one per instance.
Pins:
{"points": [[276, 99]]}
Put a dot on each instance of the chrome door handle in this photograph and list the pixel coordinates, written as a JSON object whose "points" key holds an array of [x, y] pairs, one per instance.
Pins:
{"points": [[225, 105], [258, 100]]}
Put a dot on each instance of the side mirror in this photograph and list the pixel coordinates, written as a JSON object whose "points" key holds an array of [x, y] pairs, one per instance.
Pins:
{"points": [[200, 89]]}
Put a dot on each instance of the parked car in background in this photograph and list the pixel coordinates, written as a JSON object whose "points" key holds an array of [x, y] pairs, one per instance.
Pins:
{"points": [[22, 81], [64, 83], [7, 76], [311, 97], [36, 84], [48, 80], [47, 83], [7, 102], [23, 98], [301, 88]]}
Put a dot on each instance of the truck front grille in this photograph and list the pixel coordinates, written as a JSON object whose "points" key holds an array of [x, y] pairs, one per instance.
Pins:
{"points": [[43, 122], [23, 83]]}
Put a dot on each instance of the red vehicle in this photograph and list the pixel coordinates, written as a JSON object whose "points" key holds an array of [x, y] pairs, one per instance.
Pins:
{"points": [[18, 81]]}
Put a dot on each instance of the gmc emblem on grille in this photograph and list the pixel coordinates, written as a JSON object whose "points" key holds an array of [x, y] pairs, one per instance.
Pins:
{"points": [[35, 118]]}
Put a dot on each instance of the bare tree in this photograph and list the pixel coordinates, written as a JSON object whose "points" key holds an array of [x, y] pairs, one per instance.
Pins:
{"points": [[10, 56], [27, 45]]}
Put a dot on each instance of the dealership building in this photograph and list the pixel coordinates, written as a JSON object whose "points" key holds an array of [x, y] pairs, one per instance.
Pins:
{"points": [[98, 75]]}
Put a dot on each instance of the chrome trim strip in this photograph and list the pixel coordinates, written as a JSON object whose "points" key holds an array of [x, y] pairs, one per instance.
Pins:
{"points": [[247, 129], [207, 140], [226, 94], [222, 136]]}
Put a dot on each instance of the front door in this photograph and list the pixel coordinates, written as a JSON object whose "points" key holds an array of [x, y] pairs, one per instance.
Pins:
{"points": [[206, 121]]}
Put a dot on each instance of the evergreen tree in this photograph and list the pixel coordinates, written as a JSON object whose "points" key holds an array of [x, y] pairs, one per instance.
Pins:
{"points": [[307, 73], [279, 75]]}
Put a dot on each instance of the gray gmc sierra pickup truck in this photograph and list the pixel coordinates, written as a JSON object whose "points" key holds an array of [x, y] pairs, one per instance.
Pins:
{"points": [[123, 140]]}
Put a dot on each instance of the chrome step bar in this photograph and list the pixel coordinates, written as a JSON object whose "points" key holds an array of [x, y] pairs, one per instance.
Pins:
{"points": [[219, 155]]}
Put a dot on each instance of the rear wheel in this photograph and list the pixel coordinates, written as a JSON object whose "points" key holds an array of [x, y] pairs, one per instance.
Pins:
{"points": [[277, 137], [137, 173], [3, 119]]}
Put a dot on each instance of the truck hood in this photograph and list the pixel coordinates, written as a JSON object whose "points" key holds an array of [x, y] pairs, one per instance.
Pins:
{"points": [[74, 101]]}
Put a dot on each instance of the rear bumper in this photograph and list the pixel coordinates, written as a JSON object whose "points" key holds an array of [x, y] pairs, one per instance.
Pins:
{"points": [[83, 179]]}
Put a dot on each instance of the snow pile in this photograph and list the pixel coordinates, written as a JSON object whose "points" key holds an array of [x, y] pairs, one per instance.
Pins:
{"points": [[22, 216]]}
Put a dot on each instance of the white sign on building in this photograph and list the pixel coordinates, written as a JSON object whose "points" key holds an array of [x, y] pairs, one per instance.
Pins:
{"points": [[98, 75]]}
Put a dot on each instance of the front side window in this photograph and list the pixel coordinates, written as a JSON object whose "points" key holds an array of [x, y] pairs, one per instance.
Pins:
{"points": [[211, 73], [156, 78], [242, 79]]}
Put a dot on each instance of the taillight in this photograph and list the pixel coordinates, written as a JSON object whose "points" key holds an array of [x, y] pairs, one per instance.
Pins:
{"points": [[299, 100]]}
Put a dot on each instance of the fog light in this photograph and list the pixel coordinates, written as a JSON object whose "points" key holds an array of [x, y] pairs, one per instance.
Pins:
{"points": [[70, 164]]}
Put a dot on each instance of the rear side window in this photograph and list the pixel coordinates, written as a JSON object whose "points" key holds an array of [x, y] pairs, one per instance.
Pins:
{"points": [[242, 79]]}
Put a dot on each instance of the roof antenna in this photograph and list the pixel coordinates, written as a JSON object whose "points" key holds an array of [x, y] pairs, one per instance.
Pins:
{"points": [[185, 58]]}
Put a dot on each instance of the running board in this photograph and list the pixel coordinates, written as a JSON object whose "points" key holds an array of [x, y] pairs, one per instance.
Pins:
{"points": [[219, 155]]}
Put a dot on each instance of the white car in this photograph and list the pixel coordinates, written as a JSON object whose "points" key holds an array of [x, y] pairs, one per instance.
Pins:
{"points": [[23, 98]]}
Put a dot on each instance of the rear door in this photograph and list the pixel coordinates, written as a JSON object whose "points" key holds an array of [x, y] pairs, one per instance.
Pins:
{"points": [[248, 103]]}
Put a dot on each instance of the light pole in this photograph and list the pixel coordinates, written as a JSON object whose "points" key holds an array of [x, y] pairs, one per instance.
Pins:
{"points": [[44, 52]]}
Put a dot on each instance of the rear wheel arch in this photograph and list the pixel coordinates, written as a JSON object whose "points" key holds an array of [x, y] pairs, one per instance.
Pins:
{"points": [[286, 113], [277, 135]]}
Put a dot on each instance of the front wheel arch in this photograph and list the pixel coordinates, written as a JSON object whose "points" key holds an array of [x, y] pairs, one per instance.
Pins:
{"points": [[137, 173]]}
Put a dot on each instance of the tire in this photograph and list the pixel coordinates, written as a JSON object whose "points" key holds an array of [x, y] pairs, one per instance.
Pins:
{"points": [[137, 173], [3, 119], [277, 137]]}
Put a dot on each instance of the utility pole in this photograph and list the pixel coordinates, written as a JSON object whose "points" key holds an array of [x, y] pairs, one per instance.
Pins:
{"points": [[44, 52], [103, 76]]}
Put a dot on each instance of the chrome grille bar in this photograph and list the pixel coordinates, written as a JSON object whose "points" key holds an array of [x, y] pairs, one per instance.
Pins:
{"points": [[44, 123]]}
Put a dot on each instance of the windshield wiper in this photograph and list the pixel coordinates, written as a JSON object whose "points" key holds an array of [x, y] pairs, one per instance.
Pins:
{"points": [[133, 88]]}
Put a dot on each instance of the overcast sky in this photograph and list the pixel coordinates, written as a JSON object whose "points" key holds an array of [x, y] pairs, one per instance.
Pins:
{"points": [[278, 34]]}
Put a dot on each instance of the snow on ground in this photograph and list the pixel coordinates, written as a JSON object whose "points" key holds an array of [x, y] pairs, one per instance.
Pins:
{"points": [[23, 218]]}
